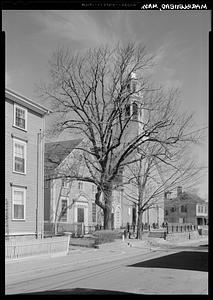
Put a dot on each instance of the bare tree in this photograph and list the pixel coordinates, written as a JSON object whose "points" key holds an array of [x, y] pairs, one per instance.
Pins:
{"points": [[157, 173], [93, 95]]}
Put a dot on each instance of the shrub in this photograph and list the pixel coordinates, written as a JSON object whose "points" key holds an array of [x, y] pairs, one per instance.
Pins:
{"points": [[106, 236]]}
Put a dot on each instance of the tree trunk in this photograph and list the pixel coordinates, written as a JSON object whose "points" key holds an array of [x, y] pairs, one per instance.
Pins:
{"points": [[107, 218], [108, 207], [139, 225]]}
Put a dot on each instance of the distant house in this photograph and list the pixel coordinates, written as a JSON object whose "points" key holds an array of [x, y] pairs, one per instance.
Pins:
{"points": [[185, 208], [24, 168]]}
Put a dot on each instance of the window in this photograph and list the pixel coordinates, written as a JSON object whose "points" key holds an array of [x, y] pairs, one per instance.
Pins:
{"points": [[166, 212], [183, 208], [65, 183], [127, 110], [46, 183], [18, 200], [173, 209], [119, 176], [128, 87], [135, 109], [64, 210], [20, 117], [134, 215], [19, 156], [93, 212], [94, 189], [80, 185], [134, 85]]}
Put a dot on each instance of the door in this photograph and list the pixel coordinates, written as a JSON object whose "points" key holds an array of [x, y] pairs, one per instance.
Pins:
{"points": [[80, 215]]}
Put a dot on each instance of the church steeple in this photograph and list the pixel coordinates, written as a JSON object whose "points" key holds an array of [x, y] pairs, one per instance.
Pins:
{"points": [[133, 108]]}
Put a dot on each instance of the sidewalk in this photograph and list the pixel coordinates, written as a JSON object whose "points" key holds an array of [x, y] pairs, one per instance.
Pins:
{"points": [[80, 259], [105, 252]]}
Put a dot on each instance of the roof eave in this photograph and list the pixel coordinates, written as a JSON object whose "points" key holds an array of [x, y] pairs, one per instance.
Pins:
{"points": [[26, 102]]}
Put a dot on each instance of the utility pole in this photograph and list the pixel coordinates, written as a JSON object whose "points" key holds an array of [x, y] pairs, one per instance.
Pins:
{"points": [[37, 187], [160, 173]]}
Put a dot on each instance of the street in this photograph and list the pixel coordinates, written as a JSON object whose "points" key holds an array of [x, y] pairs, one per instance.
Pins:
{"points": [[177, 270]]}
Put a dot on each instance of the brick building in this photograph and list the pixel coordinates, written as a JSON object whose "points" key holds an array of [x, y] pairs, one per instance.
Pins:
{"points": [[24, 126], [185, 208]]}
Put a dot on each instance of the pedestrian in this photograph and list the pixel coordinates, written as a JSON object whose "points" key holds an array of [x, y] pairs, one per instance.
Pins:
{"points": [[163, 225], [128, 226], [133, 228]]}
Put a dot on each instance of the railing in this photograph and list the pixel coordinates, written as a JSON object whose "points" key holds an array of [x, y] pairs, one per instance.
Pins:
{"points": [[18, 249]]}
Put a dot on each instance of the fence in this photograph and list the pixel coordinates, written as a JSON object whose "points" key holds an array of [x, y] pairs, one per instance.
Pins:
{"points": [[76, 229], [18, 249], [177, 227]]}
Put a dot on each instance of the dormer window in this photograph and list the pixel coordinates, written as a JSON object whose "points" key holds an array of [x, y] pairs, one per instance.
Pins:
{"points": [[20, 117]]}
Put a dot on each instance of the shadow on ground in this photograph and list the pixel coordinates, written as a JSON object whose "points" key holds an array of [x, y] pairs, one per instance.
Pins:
{"points": [[186, 260], [80, 291]]}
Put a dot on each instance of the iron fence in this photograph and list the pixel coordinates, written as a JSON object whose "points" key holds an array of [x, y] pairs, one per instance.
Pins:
{"points": [[180, 227]]}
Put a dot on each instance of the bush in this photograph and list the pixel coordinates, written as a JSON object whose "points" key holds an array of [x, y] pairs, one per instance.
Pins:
{"points": [[106, 236]]}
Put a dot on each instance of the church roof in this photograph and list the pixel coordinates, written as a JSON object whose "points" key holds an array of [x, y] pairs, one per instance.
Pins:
{"points": [[185, 197], [56, 152]]}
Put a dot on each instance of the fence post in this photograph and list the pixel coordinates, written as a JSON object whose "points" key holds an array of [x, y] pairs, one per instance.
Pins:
{"points": [[82, 228], [68, 243]]}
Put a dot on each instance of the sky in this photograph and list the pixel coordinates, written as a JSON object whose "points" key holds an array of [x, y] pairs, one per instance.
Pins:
{"points": [[179, 40]]}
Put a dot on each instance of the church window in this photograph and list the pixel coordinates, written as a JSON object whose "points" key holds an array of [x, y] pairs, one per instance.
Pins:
{"points": [[135, 109], [127, 110]]}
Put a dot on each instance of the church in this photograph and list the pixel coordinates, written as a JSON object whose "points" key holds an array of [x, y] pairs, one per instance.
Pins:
{"points": [[73, 201]]}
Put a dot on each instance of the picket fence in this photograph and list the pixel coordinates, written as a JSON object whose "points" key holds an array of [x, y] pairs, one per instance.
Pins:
{"points": [[15, 249]]}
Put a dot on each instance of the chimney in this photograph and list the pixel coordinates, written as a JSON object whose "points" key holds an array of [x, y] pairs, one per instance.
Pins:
{"points": [[179, 191], [167, 195]]}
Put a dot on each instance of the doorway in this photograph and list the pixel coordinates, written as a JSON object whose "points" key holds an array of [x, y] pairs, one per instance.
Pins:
{"points": [[80, 215]]}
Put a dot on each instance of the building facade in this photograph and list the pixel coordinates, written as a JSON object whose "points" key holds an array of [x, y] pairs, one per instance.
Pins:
{"points": [[186, 208], [68, 201], [24, 168]]}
